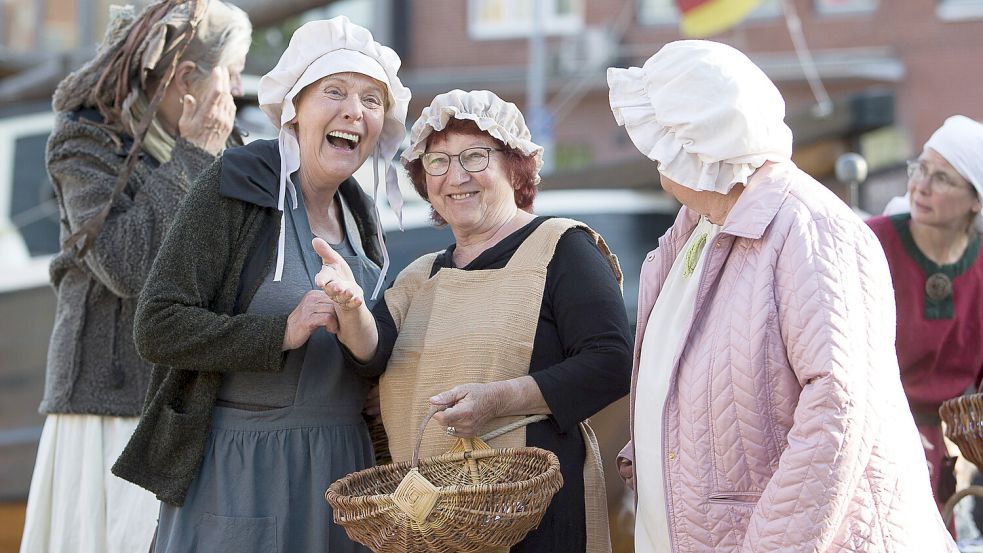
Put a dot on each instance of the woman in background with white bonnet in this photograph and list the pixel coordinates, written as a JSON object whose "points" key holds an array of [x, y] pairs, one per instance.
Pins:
{"points": [[252, 412], [767, 413], [133, 127], [931, 237], [522, 315]]}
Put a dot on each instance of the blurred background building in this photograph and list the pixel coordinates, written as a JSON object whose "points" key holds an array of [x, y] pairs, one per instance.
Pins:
{"points": [[867, 76]]}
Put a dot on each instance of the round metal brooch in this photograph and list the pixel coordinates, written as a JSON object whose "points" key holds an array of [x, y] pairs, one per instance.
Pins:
{"points": [[938, 287]]}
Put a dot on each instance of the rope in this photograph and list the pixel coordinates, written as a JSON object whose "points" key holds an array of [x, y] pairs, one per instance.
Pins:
{"points": [[824, 106], [510, 427]]}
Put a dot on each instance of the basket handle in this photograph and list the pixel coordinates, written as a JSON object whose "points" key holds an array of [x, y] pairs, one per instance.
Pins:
{"points": [[434, 409]]}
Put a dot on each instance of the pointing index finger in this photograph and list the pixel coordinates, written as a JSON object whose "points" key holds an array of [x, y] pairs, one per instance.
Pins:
{"points": [[329, 257]]}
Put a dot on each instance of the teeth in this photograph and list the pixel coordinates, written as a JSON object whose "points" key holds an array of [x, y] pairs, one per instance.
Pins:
{"points": [[347, 136], [462, 196]]}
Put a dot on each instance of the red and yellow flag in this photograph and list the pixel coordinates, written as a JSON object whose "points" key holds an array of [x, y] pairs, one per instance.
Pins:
{"points": [[702, 18]]}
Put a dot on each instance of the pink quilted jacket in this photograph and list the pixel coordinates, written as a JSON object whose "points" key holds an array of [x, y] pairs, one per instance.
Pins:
{"points": [[786, 428]]}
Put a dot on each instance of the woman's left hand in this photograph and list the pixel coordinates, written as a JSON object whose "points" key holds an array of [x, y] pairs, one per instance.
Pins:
{"points": [[470, 406], [336, 278]]}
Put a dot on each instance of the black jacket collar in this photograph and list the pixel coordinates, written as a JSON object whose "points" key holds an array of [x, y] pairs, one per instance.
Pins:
{"points": [[251, 173]]}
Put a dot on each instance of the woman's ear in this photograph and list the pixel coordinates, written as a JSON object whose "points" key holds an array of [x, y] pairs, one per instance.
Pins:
{"points": [[184, 76]]}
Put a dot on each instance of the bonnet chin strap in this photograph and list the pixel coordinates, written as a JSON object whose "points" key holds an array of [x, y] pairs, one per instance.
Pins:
{"points": [[375, 205], [289, 162]]}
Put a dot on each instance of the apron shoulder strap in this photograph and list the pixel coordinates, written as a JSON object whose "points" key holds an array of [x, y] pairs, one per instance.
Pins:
{"points": [[539, 248], [409, 280]]}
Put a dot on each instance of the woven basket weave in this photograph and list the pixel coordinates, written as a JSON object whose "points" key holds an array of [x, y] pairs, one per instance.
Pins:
{"points": [[963, 417], [470, 499]]}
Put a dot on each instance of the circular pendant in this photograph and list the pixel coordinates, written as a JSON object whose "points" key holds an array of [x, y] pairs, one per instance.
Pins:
{"points": [[938, 287]]}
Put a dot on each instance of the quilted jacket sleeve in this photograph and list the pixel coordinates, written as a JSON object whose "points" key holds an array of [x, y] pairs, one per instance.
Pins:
{"points": [[828, 283]]}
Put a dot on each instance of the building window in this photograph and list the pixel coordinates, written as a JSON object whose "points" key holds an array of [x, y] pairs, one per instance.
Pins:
{"points": [[664, 12], [498, 19], [957, 10], [836, 7]]}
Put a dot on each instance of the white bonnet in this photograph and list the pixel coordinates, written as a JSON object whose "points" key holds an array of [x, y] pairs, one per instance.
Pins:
{"points": [[960, 141], [703, 111], [318, 49], [500, 119]]}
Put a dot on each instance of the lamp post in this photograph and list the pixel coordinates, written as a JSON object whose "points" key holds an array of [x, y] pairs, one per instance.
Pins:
{"points": [[851, 169], [538, 116]]}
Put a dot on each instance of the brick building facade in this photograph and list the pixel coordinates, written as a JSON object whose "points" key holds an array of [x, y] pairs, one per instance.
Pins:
{"points": [[894, 70]]}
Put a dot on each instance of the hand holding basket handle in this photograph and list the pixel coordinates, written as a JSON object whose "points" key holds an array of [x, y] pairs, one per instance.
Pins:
{"points": [[470, 499]]}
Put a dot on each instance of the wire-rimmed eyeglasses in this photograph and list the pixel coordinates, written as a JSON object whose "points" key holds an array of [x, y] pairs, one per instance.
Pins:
{"points": [[473, 160], [937, 181]]}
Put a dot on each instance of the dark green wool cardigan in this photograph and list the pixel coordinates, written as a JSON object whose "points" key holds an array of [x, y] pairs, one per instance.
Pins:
{"points": [[191, 319]]}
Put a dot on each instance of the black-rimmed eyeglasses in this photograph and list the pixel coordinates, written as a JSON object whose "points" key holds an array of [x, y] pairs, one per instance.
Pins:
{"points": [[473, 160]]}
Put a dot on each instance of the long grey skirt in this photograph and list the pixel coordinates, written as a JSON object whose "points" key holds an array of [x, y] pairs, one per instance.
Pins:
{"points": [[257, 491]]}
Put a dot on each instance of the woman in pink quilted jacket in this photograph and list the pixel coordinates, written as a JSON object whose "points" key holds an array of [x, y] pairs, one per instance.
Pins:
{"points": [[771, 414]]}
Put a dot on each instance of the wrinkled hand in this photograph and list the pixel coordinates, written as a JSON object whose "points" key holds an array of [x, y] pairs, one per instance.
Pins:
{"points": [[336, 278], [626, 472], [207, 122], [469, 407], [314, 311]]}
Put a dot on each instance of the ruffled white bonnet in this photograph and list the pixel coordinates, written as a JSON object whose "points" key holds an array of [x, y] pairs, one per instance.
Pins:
{"points": [[318, 49], [500, 119], [704, 112]]}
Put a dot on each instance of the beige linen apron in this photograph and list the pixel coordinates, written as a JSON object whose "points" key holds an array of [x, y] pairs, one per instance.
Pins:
{"points": [[482, 330]]}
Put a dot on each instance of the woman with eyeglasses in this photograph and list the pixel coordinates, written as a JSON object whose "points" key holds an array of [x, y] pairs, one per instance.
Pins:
{"points": [[932, 240], [522, 315]]}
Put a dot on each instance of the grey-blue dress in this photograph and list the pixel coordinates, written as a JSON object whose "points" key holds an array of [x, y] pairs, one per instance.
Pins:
{"points": [[279, 440]]}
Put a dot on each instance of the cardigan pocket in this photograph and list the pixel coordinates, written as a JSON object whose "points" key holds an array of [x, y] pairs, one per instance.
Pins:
{"points": [[178, 439], [219, 533]]}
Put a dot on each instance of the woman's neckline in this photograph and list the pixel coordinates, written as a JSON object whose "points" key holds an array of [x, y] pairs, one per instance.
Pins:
{"points": [[514, 224]]}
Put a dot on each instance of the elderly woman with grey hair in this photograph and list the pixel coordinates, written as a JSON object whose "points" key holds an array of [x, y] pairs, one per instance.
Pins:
{"points": [[767, 413], [252, 412], [522, 315], [133, 127]]}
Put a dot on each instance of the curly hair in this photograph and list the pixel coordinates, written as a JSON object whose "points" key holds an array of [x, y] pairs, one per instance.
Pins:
{"points": [[520, 168]]}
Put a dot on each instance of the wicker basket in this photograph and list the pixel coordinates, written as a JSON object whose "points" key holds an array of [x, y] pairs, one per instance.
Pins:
{"points": [[470, 499], [963, 417]]}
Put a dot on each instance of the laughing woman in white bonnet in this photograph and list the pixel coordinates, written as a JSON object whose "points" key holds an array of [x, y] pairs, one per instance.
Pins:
{"points": [[133, 127], [931, 237], [766, 410], [252, 412]]}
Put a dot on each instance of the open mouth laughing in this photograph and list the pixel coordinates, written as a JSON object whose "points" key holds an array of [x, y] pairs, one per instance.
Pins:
{"points": [[344, 140]]}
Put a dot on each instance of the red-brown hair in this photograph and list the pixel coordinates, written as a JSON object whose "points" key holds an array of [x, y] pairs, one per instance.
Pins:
{"points": [[520, 168]]}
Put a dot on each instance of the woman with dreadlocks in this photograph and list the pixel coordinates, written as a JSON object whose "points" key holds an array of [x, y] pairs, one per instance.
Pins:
{"points": [[134, 127]]}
